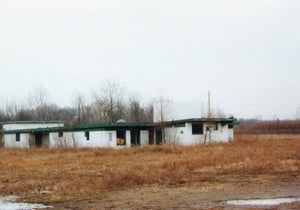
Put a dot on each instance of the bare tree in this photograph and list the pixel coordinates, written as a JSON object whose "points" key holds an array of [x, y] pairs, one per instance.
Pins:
{"points": [[11, 109], [80, 104], [66, 114], [24, 115], [148, 110], [110, 102], [217, 113], [161, 115], [38, 100], [38, 97], [135, 110]]}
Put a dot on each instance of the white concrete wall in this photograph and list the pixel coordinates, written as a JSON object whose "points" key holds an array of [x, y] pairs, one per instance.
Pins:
{"points": [[144, 137], [97, 139], [31, 140], [18, 126], [184, 136], [10, 140], [230, 134], [172, 135], [45, 140], [26, 140], [128, 139], [221, 135]]}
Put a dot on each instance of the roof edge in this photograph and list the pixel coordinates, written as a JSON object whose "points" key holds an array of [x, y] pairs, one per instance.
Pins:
{"points": [[29, 122]]}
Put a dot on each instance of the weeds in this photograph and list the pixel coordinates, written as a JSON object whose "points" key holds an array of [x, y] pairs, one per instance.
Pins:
{"points": [[72, 173]]}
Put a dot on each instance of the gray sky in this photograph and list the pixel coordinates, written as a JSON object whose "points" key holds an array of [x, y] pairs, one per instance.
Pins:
{"points": [[245, 51]]}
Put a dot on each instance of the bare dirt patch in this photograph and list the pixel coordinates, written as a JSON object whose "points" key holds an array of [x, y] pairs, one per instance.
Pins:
{"points": [[158, 177]]}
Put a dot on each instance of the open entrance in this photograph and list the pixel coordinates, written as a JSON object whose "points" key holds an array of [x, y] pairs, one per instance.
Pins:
{"points": [[135, 137], [121, 137], [158, 135], [38, 139], [151, 136]]}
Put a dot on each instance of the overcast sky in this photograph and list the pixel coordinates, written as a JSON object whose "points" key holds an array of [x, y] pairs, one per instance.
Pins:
{"points": [[246, 52]]}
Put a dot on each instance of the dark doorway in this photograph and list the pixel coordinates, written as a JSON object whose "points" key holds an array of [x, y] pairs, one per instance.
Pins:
{"points": [[135, 137], [151, 136], [121, 137], [158, 134], [38, 139]]}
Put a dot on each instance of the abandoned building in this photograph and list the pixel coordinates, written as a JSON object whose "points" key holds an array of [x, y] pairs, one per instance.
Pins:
{"points": [[186, 131]]}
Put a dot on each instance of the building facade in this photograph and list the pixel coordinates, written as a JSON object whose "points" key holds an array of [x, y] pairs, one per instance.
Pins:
{"points": [[43, 134], [173, 123], [117, 135]]}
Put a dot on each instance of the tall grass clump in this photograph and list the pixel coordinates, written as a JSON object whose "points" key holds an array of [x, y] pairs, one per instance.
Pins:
{"points": [[72, 173]]}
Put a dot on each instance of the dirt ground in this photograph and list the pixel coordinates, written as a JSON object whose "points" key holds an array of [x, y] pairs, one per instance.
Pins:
{"points": [[156, 177], [207, 195]]}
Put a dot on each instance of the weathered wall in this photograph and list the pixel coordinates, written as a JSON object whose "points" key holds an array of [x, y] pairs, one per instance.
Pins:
{"points": [[144, 137], [221, 135], [10, 140], [231, 134], [184, 136], [78, 139]]}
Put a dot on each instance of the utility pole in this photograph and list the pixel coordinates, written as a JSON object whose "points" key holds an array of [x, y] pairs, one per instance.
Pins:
{"points": [[208, 107], [162, 120], [207, 128]]}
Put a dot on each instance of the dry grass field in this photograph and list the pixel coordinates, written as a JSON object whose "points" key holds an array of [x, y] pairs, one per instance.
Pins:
{"points": [[108, 178]]}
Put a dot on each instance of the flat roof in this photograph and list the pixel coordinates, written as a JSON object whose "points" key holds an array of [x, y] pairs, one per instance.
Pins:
{"points": [[30, 122], [110, 125], [85, 127]]}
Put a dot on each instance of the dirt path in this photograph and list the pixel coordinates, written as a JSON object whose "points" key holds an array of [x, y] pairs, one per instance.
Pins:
{"points": [[207, 195]]}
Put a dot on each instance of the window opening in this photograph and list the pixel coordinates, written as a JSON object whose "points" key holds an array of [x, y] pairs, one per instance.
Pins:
{"points": [[197, 128], [60, 134], [87, 135], [17, 137]]}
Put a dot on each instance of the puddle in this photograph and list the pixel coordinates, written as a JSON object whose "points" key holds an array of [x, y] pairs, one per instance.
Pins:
{"points": [[262, 202], [9, 203]]}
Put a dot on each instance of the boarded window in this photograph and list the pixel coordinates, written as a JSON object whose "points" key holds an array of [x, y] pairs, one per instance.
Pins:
{"points": [[17, 137], [121, 137], [87, 135], [60, 134], [197, 128]]}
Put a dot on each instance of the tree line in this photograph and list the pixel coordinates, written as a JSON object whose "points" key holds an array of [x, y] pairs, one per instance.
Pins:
{"points": [[110, 103]]}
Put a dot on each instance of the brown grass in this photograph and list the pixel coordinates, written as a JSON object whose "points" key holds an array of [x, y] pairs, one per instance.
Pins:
{"points": [[70, 174], [259, 127]]}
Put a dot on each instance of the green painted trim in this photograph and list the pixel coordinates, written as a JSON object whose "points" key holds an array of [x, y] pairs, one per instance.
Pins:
{"points": [[227, 120], [201, 120], [30, 122], [33, 130], [113, 125], [176, 125], [87, 127]]}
